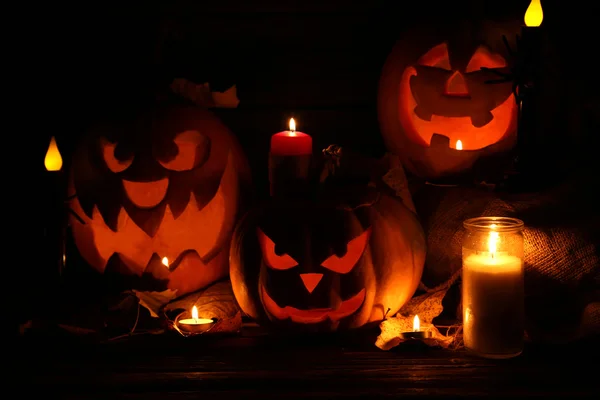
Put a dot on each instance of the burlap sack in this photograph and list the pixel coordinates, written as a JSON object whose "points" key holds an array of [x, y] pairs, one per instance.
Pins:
{"points": [[562, 276]]}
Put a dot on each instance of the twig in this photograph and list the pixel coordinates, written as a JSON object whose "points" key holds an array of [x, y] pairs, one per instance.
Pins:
{"points": [[132, 330]]}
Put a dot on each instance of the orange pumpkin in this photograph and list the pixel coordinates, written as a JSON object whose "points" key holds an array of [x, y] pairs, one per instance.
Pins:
{"points": [[437, 109], [159, 196], [326, 265]]}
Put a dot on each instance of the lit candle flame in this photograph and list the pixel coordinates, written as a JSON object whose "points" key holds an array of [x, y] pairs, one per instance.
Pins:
{"points": [[458, 145], [165, 262], [53, 160], [292, 125], [195, 312], [416, 324], [493, 241], [534, 14]]}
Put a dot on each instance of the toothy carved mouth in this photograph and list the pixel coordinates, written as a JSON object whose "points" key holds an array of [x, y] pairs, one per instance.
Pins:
{"points": [[476, 132], [313, 316], [146, 194]]}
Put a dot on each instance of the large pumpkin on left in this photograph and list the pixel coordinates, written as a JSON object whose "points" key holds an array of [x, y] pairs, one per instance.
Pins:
{"points": [[159, 195]]}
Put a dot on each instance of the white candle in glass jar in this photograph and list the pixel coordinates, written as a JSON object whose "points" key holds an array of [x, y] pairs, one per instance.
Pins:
{"points": [[493, 306]]}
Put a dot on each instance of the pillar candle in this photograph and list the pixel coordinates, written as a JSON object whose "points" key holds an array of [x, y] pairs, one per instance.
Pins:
{"points": [[493, 301], [290, 159], [55, 217], [530, 52]]}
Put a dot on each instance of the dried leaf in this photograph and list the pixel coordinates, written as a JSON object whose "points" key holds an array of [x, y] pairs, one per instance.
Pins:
{"points": [[126, 301], [226, 99], [203, 97], [25, 327], [154, 301], [427, 306], [216, 301], [396, 179], [392, 329]]}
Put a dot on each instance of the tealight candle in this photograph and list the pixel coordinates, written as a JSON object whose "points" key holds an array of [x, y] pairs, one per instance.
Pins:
{"points": [[290, 158], [416, 333], [195, 324], [493, 287]]}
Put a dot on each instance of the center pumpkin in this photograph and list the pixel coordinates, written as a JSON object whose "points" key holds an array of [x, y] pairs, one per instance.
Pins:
{"points": [[306, 260], [322, 266]]}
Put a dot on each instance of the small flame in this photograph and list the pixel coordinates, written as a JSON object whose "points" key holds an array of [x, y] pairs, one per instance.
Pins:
{"points": [[493, 241], [534, 14], [195, 312], [458, 145], [165, 262], [53, 160], [292, 125], [416, 324]]}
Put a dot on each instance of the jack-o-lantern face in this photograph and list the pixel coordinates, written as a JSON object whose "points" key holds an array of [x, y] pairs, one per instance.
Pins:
{"points": [[454, 103], [312, 279], [436, 109], [318, 267], [164, 187]]}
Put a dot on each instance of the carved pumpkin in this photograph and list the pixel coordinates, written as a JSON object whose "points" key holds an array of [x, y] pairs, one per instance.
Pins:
{"points": [[315, 266], [159, 196], [433, 94]]}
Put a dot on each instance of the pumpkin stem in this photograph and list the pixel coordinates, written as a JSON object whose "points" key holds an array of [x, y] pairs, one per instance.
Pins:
{"points": [[386, 313]]}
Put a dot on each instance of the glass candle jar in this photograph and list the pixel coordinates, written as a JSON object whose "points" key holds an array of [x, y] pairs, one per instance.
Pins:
{"points": [[493, 287]]}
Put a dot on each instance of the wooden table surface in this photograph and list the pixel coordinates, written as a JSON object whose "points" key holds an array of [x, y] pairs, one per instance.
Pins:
{"points": [[265, 367]]}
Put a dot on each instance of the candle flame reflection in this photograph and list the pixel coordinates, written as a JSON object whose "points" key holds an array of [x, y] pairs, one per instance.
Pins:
{"points": [[416, 324], [195, 312], [53, 160], [292, 125], [493, 241], [165, 262], [534, 14], [458, 145]]}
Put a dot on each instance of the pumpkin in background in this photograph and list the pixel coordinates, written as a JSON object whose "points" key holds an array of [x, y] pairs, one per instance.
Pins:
{"points": [[167, 183], [433, 94], [323, 266]]}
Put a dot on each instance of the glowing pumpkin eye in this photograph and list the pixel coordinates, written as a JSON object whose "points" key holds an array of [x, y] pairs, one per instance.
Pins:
{"points": [[193, 149], [483, 57], [273, 260], [437, 57], [355, 249], [112, 162]]}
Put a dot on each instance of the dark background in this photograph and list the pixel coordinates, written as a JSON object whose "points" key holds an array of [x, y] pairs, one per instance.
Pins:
{"points": [[318, 61]]}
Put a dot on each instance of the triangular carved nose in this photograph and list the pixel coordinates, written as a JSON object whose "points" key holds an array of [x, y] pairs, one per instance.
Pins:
{"points": [[311, 281], [457, 86]]}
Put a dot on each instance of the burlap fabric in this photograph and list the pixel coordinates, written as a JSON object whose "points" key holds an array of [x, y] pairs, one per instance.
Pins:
{"points": [[562, 276]]}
